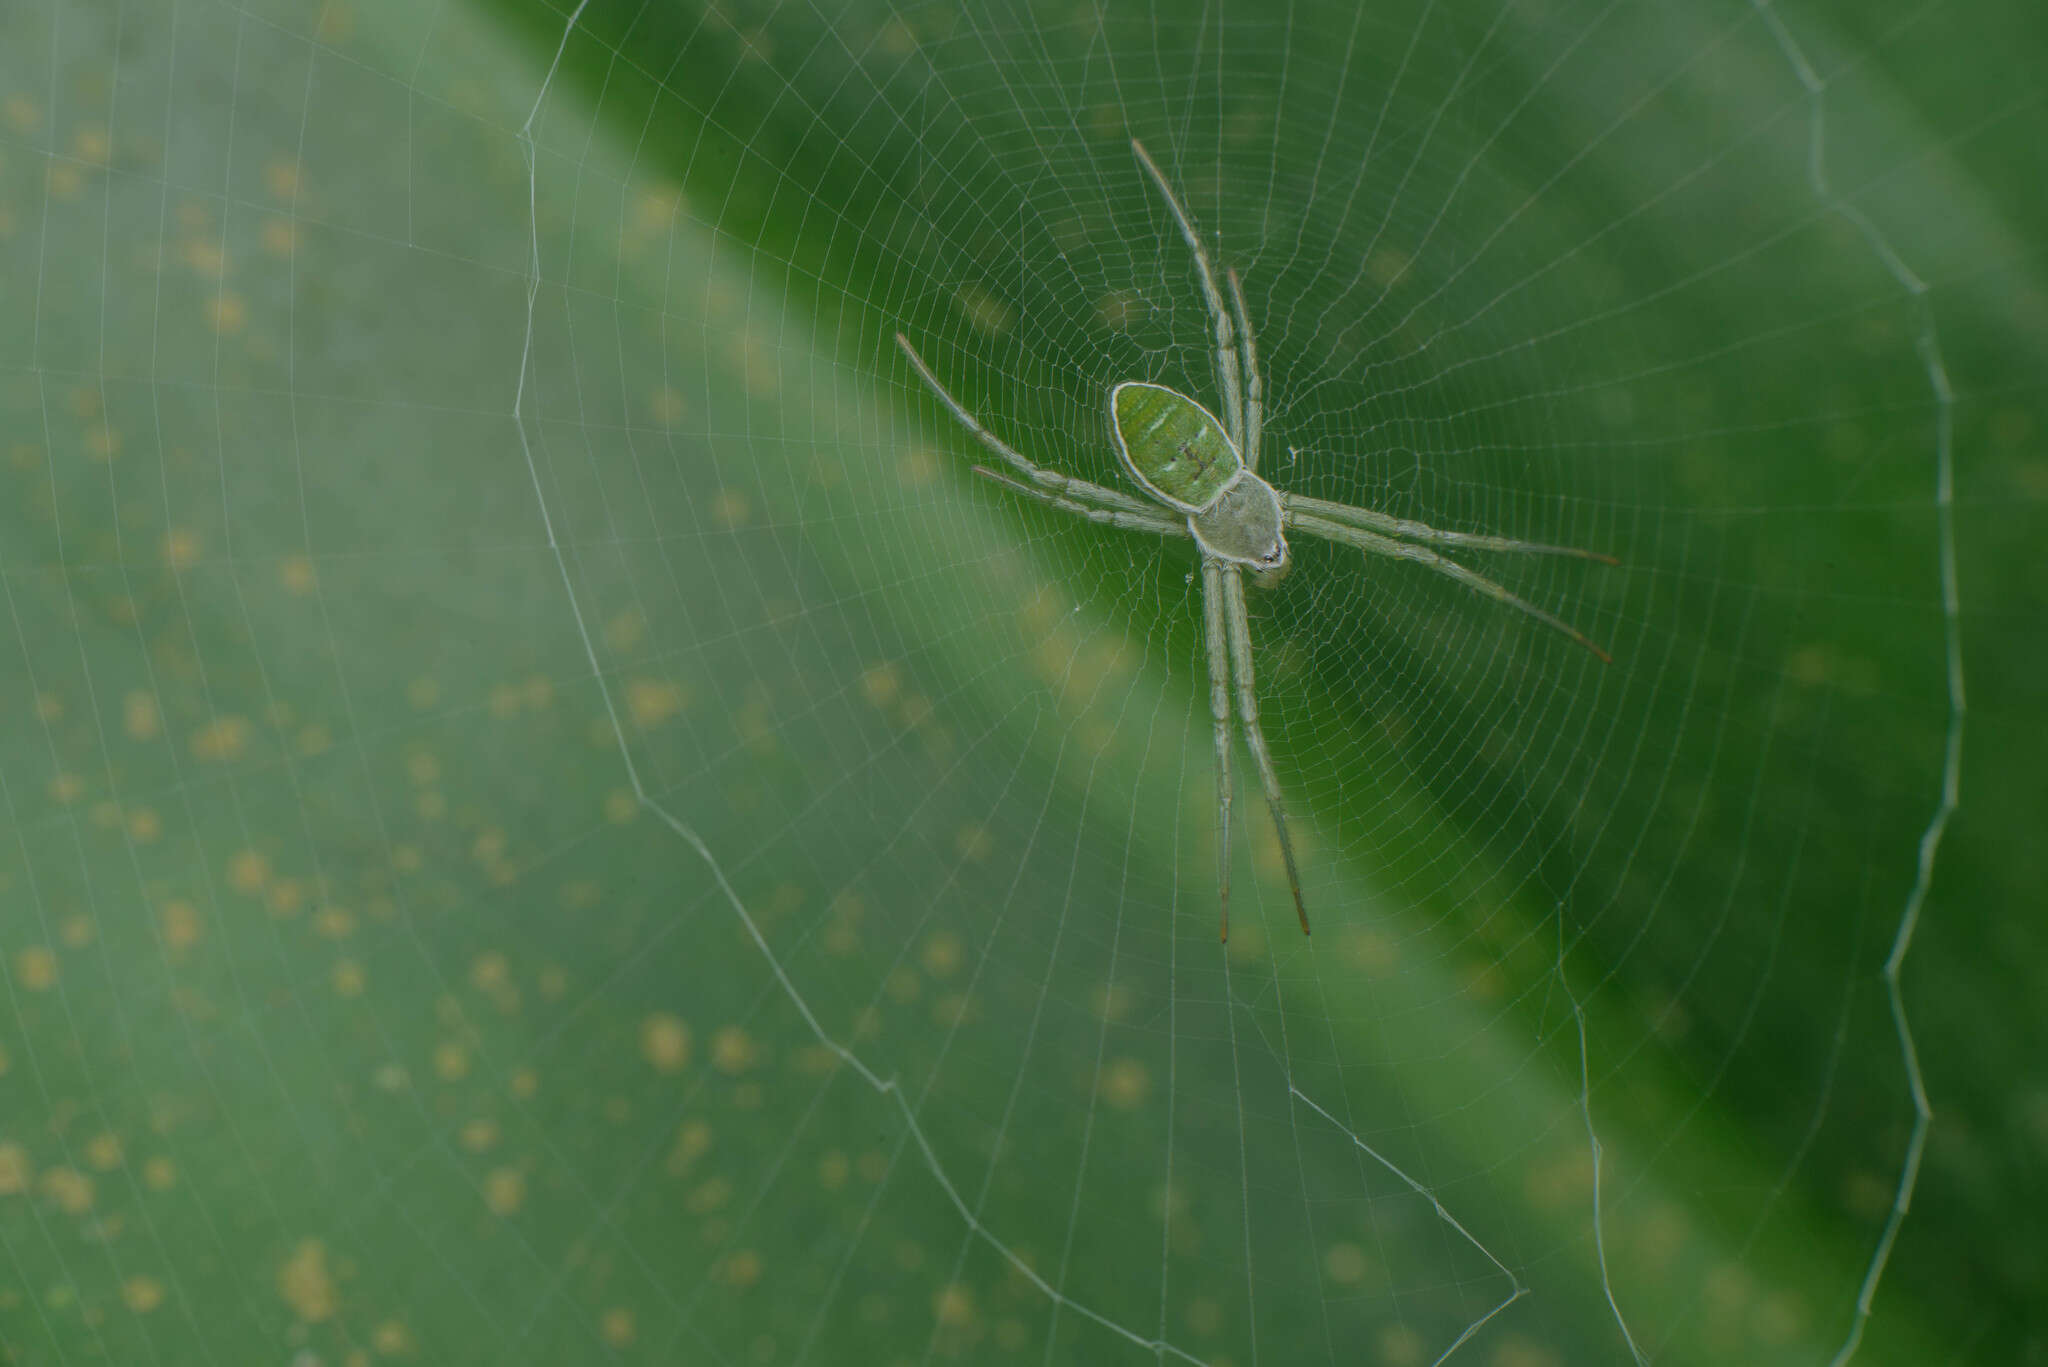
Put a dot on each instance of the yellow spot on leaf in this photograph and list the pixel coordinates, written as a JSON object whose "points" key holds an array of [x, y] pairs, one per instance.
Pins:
{"points": [[732, 508], [15, 1170], [1118, 309], [305, 1283], [391, 1338], [287, 895], [224, 738], [504, 1190], [69, 1189], [1401, 1345], [666, 406], [620, 806], [879, 684], [337, 24], [140, 717], [942, 954], [1345, 1263], [181, 924], [987, 313], [347, 978], [102, 442], [650, 702], [451, 1060], [665, 1042], [159, 1173], [297, 575], [624, 631], [693, 1141], [203, 255], [743, 1269], [248, 871], [227, 313], [710, 1196], [278, 236], [142, 1294], [1125, 1082], [953, 1307], [35, 968], [616, 1324], [90, 143], [733, 1050], [103, 1151]]}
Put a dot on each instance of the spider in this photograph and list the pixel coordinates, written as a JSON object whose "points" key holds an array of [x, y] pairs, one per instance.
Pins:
{"points": [[1201, 475]]}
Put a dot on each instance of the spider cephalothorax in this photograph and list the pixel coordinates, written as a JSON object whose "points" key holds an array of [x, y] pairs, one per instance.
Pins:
{"points": [[1201, 475]]}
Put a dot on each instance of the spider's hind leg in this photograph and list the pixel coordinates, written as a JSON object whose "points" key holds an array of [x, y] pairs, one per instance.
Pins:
{"points": [[1219, 712], [1248, 715]]}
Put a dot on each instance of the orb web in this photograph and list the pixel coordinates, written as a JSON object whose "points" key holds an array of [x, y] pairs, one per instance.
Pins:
{"points": [[554, 815]]}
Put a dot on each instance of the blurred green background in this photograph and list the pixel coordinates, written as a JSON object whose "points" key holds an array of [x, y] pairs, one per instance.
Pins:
{"points": [[550, 819]]}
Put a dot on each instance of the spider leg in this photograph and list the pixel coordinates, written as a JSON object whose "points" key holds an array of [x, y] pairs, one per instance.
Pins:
{"points": [[1226, 347], [1254, 402], [1156, 522], [1219, 710], [1422, 531], [1374, 544], [1248, 715], [1048, 479]]}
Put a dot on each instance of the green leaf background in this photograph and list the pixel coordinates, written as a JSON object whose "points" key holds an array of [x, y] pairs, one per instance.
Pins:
{"points": [[550, 818]]}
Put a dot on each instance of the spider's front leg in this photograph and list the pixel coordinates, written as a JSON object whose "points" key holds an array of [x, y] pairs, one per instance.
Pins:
{"points": [[1036, 474]]}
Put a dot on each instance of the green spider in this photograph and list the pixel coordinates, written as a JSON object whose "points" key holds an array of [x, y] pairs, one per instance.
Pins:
{"points": [[1202, 477]]}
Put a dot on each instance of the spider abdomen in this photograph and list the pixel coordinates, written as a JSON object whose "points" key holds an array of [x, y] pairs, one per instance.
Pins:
{"points": [[1178, 453], [1172, 446]]}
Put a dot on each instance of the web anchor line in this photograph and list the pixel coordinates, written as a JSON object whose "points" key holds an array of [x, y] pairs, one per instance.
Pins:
{"points": [[1927, 343], [1442, 1213], [1594, 1149], [884, 1086]]}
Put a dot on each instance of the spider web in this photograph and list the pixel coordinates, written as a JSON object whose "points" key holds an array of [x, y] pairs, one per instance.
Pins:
{"points": [[554, 819]]}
